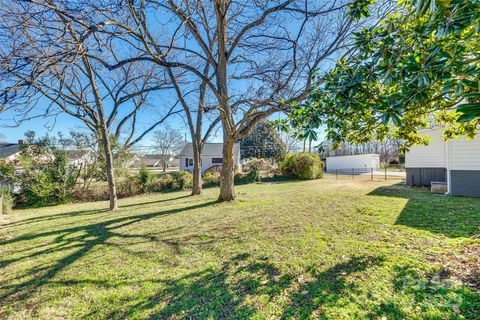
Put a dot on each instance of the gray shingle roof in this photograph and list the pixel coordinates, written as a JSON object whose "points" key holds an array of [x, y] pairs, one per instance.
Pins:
{"points": [[209, 149], [8, 149]]}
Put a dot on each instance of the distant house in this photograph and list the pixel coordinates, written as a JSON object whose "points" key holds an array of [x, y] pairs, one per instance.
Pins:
{"points": [[78, 158], [455, 162], [212, 156], [9, 152], [156, 161], [358, 162]]}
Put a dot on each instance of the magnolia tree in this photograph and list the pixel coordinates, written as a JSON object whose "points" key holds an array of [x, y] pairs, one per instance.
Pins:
{"points": [[250, 58], [419, 67]]}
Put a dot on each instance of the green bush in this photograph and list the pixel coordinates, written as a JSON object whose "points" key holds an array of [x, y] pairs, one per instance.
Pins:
{"points": [[41, 190], [130, 186], [7, 202], [183, 180], [305, 166], [166, 182], [211, 178], [146, 179], [259, 164], [252, 176]]}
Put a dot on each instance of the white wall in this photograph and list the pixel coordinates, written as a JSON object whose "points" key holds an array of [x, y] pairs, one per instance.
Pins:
{"points": [[433, 155], [456, 154], [359, 161], [464, 154], [206, 163]]}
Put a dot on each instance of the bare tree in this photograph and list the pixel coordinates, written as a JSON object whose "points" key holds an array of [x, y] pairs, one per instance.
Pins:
{"points": [[46, 68], [252, 58], [168, 142], [292, 144], [261, 55]]}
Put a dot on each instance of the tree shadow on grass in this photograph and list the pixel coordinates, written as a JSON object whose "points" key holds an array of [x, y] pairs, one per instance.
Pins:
{"points": [[80, 238], [450, 216], [230, 292], [78, 213], [327, 288]]}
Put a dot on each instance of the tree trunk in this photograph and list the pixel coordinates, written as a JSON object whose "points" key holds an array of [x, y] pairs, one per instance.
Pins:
{"points": [[197, 174], [164, 167], [109, 166], [227, 190]]}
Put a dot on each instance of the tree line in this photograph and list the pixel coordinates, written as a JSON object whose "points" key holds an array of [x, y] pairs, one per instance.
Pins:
{"points": [[213, 63]]}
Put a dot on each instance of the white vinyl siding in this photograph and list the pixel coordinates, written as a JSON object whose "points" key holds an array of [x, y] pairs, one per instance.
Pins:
{"points": [[431, 156], [464, 154]]}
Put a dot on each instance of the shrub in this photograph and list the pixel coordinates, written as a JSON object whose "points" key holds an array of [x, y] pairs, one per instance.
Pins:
{"points": [[259, 164], [92, 193], [165, 182], [305, 166], [211, 178], [145, 179], [7, 202], [252, 176], [131, 186], [183, 180], [41, 190]]}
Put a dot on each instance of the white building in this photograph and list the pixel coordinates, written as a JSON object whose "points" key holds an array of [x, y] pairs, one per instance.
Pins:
{"points": [[357, 162], [211, 157], [456, 162]]}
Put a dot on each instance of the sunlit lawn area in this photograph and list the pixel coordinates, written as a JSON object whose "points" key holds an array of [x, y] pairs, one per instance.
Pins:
{"points": [[324, 249]]}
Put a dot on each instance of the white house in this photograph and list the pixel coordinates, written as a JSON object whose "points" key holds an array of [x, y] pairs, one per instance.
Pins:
{"points": [[456, 162], [211, 157], [360, 162]]}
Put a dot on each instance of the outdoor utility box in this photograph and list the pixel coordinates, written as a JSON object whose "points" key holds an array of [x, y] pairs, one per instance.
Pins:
{"points": [[438, 187]]}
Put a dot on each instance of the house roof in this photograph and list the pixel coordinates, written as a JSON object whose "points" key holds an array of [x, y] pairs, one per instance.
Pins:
{"points": [[8, 149], [153, 156], [77, 154], [209, 149]]}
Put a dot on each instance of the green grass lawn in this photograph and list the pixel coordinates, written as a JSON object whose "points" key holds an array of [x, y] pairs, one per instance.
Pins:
{"points": [[326, 249]]}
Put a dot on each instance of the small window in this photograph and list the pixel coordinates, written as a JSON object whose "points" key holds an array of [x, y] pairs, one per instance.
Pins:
{"points": [[217, 160], [186, 162], [190, 162]]}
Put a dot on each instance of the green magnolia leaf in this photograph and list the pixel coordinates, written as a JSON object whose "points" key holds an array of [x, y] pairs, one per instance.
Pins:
{"points": [[469, 108], [466, 117]]}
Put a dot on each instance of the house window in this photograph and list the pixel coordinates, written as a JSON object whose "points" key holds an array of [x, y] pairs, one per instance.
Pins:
{"points": [[190, 162], [217, 160], [186, 162]]}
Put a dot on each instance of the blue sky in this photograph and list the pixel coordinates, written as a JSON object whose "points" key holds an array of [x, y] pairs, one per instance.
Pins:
{"points": [[65, 123]]}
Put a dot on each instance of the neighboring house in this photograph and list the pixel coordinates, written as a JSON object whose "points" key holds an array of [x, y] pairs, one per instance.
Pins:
{"points": [[358, 162], [9, 152], [155, 160], [78, 158], [456, 162], [211, 157]]}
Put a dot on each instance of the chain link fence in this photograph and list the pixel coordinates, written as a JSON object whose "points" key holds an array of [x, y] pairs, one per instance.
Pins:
{"points": [[383, 173]]}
